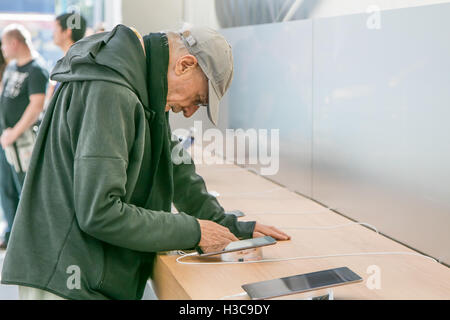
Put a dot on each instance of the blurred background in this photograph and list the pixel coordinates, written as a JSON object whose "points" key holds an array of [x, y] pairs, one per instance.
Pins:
{"points": [[154, 15]]}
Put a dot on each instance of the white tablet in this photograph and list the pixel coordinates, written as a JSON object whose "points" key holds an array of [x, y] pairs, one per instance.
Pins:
{"points": [[241, 245], [301, 283]]}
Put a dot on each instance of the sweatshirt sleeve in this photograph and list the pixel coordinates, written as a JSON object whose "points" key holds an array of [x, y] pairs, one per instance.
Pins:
{"points": [[106, 133], [192, 197]]}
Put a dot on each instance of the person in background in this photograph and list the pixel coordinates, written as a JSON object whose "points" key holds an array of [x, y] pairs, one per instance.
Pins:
{"points": [[3, 64], [21, 102], [68, 29]]}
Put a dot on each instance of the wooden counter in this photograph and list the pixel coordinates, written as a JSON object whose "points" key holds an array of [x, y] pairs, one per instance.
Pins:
{"points": [[402, 276]]}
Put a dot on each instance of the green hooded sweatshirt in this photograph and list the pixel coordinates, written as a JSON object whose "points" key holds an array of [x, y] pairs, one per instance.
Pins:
{"points": [[97, 197]]}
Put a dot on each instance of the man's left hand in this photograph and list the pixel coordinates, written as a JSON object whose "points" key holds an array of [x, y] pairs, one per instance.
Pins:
{"points": [[262, 230], [8, 137]]}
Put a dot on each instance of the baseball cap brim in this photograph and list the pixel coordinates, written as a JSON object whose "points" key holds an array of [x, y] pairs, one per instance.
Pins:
{"points": [[213, 104]]}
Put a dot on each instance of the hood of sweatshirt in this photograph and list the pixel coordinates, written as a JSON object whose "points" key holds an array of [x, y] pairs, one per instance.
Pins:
{"points": [[116, 56]]}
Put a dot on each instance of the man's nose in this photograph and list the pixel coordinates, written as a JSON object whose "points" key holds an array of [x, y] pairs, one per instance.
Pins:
{"points": [[189, 111]]}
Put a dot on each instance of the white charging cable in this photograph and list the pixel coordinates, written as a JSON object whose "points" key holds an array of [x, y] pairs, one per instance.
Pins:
{"points": [[304, 257], [184, 255], [332, 227], [241, 294], [326, 210], [251, 192]]}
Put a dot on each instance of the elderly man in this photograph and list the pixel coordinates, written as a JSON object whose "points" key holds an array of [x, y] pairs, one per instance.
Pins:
{"points": [[96, 203]]}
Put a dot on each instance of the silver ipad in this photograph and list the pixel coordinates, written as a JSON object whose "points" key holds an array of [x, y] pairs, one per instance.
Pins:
{"points": [[241, 245], [301, 283]]}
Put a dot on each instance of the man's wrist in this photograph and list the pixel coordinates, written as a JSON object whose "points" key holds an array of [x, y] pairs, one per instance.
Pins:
{"points": [[246, 229], [16, 132], [241, 229]]}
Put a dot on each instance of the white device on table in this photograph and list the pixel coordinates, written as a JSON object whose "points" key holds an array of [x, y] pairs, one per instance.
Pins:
{"points": [[301, 283], [241, 245]]}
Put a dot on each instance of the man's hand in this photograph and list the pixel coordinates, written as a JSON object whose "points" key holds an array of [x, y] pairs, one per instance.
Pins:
{"points": [[214, 236], [262, 230], [8, 137], [29, 117]]}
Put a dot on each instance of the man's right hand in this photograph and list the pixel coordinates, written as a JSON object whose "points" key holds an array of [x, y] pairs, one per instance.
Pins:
{"points": [[214, 237]]}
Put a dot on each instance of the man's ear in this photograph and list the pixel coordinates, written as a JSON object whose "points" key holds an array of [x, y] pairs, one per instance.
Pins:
{"points": [[185, 64], [68, 32]]}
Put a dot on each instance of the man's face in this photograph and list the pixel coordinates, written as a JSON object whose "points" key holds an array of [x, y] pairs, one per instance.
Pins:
{"points": [[9, 47], [187, 86], [60, 36]]}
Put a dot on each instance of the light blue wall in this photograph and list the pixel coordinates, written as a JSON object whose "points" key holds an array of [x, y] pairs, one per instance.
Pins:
{"points": [[363, 115], [272, 89], [381, 132]]}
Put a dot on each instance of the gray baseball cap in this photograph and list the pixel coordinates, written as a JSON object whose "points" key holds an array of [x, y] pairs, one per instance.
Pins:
{"points": [[215, 58]]}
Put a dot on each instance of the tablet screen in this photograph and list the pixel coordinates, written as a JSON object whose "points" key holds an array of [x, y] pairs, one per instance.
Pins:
{"points": [[249, 243], [301, 283], [243, 245]]}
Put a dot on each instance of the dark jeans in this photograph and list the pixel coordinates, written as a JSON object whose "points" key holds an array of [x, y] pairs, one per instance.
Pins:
{"points": [[11, 184]]}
